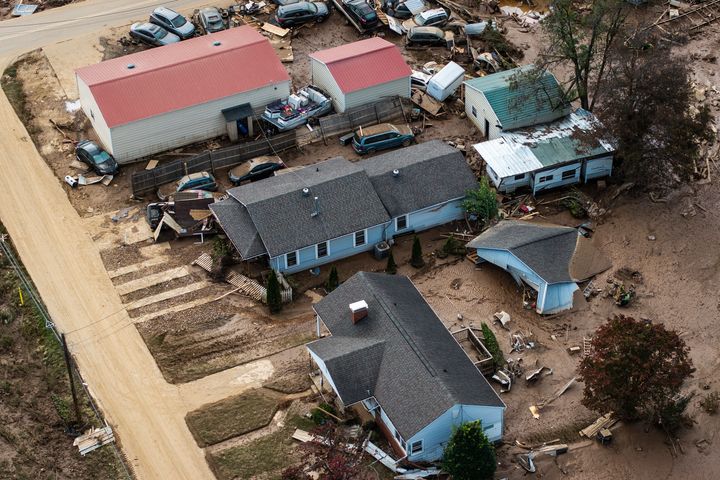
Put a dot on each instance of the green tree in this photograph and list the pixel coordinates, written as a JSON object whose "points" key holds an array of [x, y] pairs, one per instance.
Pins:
{"points": [[469, 455], [416, 259], [492, 345], [391, 267], [636, 369], [274, 298], [333, 280], [581, 40], [481, 202]]}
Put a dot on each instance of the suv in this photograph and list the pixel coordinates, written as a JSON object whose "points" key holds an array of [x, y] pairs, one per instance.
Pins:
{"points": [[364, 13], [152, 34], [254, 170], [380, 137], [211, 20], [425, 36], [96, 158], [300, 13], [197, 181], [173, 22]]}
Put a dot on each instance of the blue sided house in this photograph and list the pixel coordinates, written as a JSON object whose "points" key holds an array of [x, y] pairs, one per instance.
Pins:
{"points": [[564, 152], [336, 208], [389, 353], [551, 259]]}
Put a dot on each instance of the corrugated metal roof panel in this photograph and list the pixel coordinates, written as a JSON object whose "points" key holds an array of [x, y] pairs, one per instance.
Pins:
{"points": [[363, 64], [520, 99], [177, 76]]}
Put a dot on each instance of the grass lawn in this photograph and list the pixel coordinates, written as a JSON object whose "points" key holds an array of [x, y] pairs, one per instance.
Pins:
{"points": [[266, 455], [232, 416]]}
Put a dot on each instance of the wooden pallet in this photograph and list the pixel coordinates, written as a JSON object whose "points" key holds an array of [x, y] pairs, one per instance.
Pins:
{"points": [[247, 287]]}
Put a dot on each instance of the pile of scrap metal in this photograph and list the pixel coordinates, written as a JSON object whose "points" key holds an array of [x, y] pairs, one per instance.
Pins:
{"points": [[187, 213], [621, 294], [504, 376], [520, 341]]}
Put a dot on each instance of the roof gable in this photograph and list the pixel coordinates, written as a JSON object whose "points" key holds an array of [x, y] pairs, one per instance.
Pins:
{"points": [[284, 215], [422, 372], [430, 173], [183, 74], [363, 64], [239, 227], [522, 96], [546, 249]]}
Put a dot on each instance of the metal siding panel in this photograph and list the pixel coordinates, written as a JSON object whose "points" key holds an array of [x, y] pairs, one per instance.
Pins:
{"points": [[93, 113], [505, 260], [558, 297], [598, 167], [183, 127], [400, 87], [484, 111], [557, 180], [322, 78], [438, 215]]}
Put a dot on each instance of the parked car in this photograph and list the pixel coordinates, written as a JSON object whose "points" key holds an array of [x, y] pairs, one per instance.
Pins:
{"points": [[254, 170], [398, 9], [197, 181], [301, 13], [437, 17], [363, 13], [98, 159], [381, 137], [173, 22], [425, 36], [211, 20], [152, 34]]}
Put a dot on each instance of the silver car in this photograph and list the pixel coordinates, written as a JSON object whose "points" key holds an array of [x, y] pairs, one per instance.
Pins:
{"points": [[211, 20], [152, 34], [173, 22]]}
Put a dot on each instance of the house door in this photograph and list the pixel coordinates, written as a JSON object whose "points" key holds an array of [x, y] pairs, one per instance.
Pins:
{"points": [[487, 129]]}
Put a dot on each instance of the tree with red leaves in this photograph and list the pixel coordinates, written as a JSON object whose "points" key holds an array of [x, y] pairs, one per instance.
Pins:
{"points": [[636, 368]]}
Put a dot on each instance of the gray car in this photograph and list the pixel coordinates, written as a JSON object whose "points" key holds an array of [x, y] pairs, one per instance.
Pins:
{"points": [[211, 20], [152, 34], [301, 12], [173, 22]]}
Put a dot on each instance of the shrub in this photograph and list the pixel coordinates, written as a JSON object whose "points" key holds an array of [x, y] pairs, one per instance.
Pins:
{"points": [[711, 402], [320, 417], [469, 454], [391, 267], [333, 280], [274, 297], [416, 259], [492, 345]]}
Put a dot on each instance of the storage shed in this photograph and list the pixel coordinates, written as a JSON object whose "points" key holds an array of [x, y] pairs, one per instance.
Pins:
{"points": [[513, 99], [178, 94], [361, 72], [565, 152]]}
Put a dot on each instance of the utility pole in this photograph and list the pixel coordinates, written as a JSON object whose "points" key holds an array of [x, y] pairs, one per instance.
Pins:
{"points": [[68, 363]]}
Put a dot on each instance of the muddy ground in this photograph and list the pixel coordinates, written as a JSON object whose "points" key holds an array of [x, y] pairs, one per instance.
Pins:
{"points": [[680, 268]]}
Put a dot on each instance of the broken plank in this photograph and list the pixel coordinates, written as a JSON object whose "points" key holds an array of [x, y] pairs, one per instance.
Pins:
{"points": [[151, 164], [279, 31]]}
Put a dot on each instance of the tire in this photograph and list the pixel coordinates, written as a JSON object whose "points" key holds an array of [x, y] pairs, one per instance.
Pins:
{"points": [[406, 143], [369, 151], [319, 19]]}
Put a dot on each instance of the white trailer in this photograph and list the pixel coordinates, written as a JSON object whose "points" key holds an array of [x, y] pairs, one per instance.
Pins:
{"points": [[446, 81]]}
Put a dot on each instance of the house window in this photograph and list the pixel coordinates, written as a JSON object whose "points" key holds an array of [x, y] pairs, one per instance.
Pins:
{"points": [[544, 179], [568, 174], [416, 447], [401, 223], [360, 238], [474, 111], [398, 437], [322, 249], [488, 427], [290, 259], [520, 177]]}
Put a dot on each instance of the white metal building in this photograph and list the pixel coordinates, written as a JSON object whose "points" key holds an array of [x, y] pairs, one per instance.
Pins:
{"points": [[361, 72], [170, 96]]}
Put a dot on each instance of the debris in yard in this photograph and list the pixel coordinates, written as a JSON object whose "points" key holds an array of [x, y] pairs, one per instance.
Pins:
{"points": [[151, 164], [24, 9], [526, 459], [519, 342], [536, 374], [573, 350], [122, 213], [94, 439], [535, 411], [503, 379], [427, 103], [504, 318], [606, 421], [275, 30], [72, 107], [417, 474], [78, 165], [557, 394]]}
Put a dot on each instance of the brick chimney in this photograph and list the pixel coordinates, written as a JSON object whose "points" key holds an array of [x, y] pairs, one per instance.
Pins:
{"points": [[358, 311]]}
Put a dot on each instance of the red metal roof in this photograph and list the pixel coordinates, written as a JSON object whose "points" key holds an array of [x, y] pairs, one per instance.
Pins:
{"points": [[363, 64], [181, 75]]}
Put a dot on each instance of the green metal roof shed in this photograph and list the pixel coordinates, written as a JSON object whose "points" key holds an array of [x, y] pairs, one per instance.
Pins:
{"points": [[522, 97]]}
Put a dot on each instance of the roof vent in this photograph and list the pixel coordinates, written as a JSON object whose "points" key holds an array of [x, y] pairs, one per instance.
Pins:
{"points": [[130, 66], [358, 311], [396, 173], [306, 192], [217, 43]]}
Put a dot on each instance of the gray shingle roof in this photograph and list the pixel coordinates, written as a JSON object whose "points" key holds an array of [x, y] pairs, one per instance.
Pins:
{"points": [[282, 214], [401, 353], [546, 249], [430, 173], [239, 227]]}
